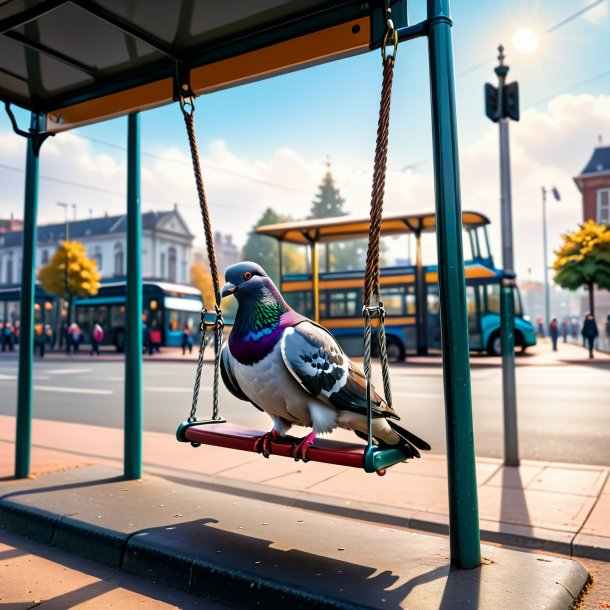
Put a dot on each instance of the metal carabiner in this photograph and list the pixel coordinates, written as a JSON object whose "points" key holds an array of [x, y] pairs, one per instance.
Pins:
{"points": [[390, 30]]}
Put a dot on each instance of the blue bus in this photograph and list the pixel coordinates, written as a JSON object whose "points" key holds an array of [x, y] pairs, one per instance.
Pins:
{"points": [[325, 282], [166, 309]]}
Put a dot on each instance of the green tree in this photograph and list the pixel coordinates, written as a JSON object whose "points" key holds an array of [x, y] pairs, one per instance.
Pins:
{"points": [[70, 273], [584, 259], [328, 202], [265, 250]]}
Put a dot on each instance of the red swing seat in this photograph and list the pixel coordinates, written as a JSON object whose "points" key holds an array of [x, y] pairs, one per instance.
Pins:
{"points": [[327, 451]]}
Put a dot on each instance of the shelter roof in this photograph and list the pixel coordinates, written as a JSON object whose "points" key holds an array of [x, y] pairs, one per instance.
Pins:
{"points": [[81, 61], [350, 227]]}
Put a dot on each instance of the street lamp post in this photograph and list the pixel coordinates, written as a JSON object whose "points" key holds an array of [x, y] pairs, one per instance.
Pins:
{"points": [[502, 104], [547, 289], [66, 272]]}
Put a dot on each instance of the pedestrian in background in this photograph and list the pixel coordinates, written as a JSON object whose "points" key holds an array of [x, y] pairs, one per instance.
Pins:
{"points": [[97, 336], [564, 330], [590, 332], [39, 339], [554, 333], [74, 334], [187, 340], [8, 337]]}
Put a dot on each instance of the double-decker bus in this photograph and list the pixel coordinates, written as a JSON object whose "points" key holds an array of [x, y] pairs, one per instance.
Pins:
{"points": [[325, 281], [166, 309]]}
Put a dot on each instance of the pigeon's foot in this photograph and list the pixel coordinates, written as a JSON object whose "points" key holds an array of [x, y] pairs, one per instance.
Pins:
{"points": [[299, 450], [263, 443]]}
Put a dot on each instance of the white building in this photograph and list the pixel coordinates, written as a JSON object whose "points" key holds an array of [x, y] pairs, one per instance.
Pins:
{"points": [[166, 246]]}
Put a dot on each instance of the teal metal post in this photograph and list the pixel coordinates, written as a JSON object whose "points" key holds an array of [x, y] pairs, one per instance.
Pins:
{"points": [[133, 310], [463, 504], [23, 436]]}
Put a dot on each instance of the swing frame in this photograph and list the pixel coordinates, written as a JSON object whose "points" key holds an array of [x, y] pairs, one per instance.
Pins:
{"points": [[254, 52]]}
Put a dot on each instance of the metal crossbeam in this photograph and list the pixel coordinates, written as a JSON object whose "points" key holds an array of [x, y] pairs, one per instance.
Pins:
{"points": [[42, 48], [128, 28], [30, 14]]}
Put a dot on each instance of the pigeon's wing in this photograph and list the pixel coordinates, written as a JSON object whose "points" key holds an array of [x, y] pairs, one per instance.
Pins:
{"points": [[228, 377], [317, 362]]}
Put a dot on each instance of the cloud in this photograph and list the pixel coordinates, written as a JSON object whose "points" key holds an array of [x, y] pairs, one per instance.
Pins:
{"points": [[548, 147]]}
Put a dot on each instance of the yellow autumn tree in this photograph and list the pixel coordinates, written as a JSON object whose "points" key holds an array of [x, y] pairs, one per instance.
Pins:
{"points": [[584, 259], [70, 273], [202, 278]]}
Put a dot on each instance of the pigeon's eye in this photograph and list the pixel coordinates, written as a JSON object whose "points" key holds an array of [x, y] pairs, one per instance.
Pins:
{"points": [[247, 275]]}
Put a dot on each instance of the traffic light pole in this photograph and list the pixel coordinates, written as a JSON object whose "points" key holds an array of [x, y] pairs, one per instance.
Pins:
{"points": [[507, 301]]}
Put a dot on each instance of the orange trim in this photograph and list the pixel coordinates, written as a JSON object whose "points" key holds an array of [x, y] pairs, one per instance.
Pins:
{"points": [[359, 323], [390, 280], [471, 272], [331, 43]]}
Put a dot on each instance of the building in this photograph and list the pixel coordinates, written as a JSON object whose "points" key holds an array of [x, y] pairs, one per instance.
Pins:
{"points": [[227, 252], [166, 246], [594, 184], [10, 225]]}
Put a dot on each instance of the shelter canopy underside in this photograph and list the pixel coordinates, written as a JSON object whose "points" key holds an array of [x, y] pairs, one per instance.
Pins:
{"points": [[81, 61]]}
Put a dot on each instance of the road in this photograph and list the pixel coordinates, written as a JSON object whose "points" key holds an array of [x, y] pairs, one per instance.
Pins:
{"points": [[564, 411]]}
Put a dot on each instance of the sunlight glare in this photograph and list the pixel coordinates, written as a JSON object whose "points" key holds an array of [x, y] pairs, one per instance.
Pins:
{"points": [[525, 41]]}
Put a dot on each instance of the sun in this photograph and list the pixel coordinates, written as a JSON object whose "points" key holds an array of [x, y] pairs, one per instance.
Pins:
{"points": [[525, 41]]}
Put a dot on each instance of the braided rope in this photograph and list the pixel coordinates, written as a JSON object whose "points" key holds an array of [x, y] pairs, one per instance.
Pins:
{"points": [[203, 204], [371, 277], [209, 240]]}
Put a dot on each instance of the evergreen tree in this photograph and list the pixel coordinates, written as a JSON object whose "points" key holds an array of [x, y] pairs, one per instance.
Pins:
{"points": [[328, 202], [584, 259], [264, 250]]}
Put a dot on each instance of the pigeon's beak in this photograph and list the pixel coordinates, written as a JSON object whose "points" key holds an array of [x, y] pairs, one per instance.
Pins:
{"points": [[227, 289]]}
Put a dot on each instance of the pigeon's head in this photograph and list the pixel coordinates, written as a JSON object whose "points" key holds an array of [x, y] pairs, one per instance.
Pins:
{"points": [[249, 280]]}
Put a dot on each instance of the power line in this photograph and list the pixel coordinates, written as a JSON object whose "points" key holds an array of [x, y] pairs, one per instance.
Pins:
{"points": [[553, 28], [207, 166], [109, 191], [582, 11]]}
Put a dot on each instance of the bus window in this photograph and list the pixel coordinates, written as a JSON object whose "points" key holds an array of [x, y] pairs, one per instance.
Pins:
{"points": [[343, 255], [394, 300], [343, 303], [472, 307], [302, 301], [492, 298], [296, 259], [517, 297], [117, 315]]}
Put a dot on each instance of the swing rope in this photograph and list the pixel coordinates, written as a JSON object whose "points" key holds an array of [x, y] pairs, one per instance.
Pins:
{"points": [[372, 290], [187, 105]]}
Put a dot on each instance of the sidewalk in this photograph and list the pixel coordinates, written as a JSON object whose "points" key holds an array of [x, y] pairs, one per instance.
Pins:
{"points": [[563, 508]]}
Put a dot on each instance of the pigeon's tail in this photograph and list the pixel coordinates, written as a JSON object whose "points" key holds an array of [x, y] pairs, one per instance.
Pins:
{"points": [[409, 436], [407, 443]]}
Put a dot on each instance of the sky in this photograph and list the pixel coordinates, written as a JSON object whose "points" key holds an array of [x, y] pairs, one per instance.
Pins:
{"points": [[266, 144]]}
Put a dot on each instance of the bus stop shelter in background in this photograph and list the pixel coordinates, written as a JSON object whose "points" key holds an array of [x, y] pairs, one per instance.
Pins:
{"points": [[134, 55]]}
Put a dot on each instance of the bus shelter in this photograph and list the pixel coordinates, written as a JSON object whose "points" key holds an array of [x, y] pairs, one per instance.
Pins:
{"points": [[75, 62]]}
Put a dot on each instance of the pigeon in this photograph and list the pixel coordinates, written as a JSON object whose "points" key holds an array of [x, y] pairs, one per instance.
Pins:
{"points": [[294, 370]]}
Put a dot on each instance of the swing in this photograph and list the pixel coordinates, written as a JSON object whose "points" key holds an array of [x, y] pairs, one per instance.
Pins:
{"points": [[217, 431]]}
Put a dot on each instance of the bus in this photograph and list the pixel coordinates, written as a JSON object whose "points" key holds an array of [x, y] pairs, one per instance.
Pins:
{"points": [[322, 269], [166, 308]]}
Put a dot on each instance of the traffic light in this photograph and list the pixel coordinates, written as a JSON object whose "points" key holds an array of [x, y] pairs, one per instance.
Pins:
{"points": [[511, 101], [491, 102], [510, 105]]}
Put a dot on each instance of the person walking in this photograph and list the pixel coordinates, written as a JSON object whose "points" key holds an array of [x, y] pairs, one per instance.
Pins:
{"points": [[8, 339], [97, 336], [564, 330], [74, 334], [590, 332], [39, 339], [554, 333], [187, 340]]}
